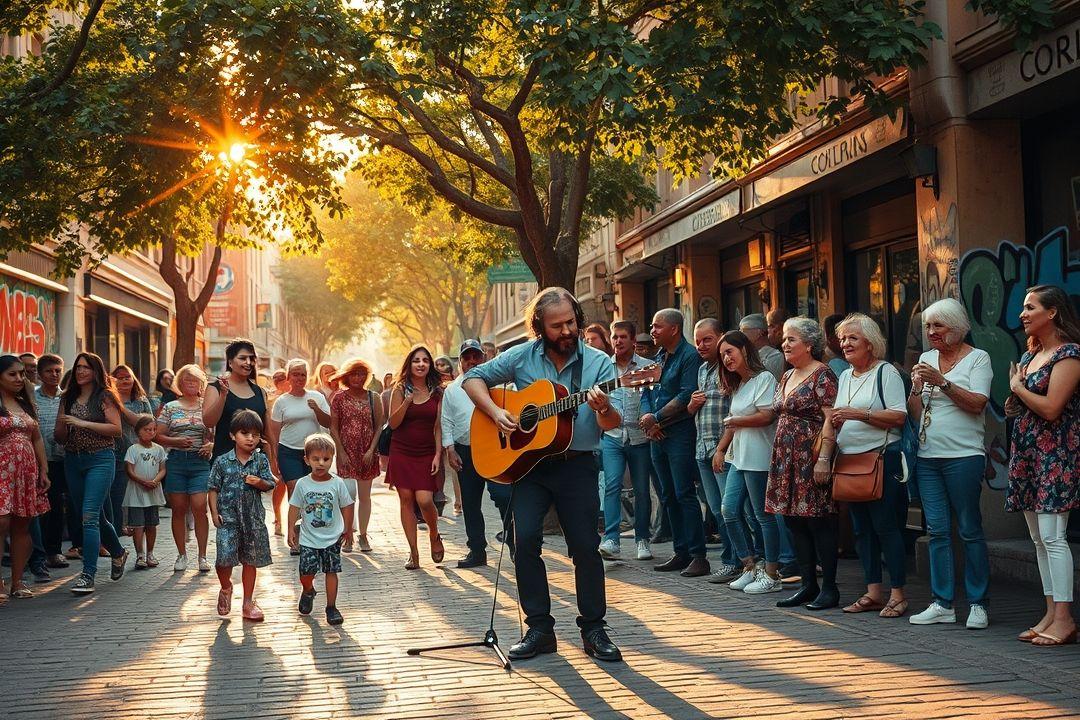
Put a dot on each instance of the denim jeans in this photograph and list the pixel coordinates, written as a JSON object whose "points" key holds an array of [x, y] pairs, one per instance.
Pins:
{"points": [[713, 484], [187, 473], [787, 542], [949, 485], [876, 531], [676, 469], [753, 482], [615, 457], [89, 479]]}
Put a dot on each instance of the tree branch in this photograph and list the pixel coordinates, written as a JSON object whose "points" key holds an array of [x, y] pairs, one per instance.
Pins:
{"points": [[73, 56]]}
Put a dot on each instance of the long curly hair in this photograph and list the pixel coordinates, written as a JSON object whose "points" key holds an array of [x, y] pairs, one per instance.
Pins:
{"points": [[404, 377], [103, 387]]}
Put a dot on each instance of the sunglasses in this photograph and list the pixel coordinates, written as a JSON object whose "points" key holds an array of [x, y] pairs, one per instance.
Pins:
{"points": [[926, 414]]}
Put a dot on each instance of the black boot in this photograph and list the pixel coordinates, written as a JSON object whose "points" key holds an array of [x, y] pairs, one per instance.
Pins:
{"points": [[829, 597], [807, 592]]}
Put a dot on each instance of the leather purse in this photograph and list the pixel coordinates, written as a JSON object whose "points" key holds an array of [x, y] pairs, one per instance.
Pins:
{"points": [[859, 477]]}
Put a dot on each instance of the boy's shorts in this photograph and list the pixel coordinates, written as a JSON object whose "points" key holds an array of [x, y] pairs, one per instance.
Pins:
{"points": [[314, 560], [143, 516]]}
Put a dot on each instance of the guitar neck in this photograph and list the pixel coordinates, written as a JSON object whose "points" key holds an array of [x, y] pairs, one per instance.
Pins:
{"points": [[573, 400]]}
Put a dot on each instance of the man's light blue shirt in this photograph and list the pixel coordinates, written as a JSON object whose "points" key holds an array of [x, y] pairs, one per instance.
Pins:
{"points": [[524, 364]]}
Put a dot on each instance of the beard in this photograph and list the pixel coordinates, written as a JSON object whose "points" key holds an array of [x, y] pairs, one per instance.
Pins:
{"points": [[561, 346]]}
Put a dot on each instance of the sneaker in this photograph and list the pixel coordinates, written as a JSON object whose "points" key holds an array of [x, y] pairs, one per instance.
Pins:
{"points": [[978, 618], [333, 617], [204, 564], [934, 614], [151, 561], [747, 577], [140, 562], [181, 563], [644, 552], [118, 566], [83, 585], [307, 599], [725, 574], [765, 583], [609, 549], [41, 575]]}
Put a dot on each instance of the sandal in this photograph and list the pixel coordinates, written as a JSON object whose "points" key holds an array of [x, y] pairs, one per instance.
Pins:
{"points": [[864, 604], [894, 609], [1053, 641], [1028, 635], [437, 555], [224, 601], [22, 593], [414, 563]]}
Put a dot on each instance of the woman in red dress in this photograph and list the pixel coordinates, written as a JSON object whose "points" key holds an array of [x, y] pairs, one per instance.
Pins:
{"points": [[415, 448], [355, 413], [24, 478]]}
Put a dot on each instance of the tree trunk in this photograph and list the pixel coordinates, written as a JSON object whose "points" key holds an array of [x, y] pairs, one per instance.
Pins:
{"points": [[188, 309], [187, 320], [559, 271]]}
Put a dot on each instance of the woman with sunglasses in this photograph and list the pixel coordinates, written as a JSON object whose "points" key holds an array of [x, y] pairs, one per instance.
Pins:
{"points": [[950, 388]]}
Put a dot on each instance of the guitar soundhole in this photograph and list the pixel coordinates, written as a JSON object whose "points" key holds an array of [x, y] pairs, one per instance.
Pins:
{"points": [[528, 419]]}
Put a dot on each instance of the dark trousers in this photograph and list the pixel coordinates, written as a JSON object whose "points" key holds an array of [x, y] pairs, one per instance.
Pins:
{"points": [[676, 468], [815, 544], [114, 506], [571, 485], [876, 529], [472, 496], [61, 513]]}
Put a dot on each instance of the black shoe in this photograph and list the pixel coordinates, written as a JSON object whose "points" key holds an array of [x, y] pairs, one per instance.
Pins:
{"points": [[307, 600], [41, 575], [698, 566], [599, 645], [118, 565], [473, 559], [806, 594], [333, 617], [658, 538], [677, 562], [826, 599], [534, 643]]}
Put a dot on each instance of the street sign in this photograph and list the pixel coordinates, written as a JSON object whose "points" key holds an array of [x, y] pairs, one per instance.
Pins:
{"points": [[512, 271]]}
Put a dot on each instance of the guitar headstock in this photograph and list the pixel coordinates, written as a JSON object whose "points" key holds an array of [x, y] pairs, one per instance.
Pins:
{"points": [[641, 378]]}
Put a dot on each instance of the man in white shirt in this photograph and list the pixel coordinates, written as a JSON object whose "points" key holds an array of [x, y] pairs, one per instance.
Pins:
{"points": [[755, 327], [456, 418]]}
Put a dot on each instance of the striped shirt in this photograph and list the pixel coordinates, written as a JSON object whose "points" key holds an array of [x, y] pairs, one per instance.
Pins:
{"points": [[709, 418], [48, 408]]}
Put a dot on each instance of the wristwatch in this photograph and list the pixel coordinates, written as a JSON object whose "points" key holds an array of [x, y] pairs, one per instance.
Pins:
{"points": [[946, 386]]}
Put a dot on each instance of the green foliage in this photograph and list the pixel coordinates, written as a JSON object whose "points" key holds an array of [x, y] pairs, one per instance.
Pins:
{"points": [[329, 319], [1027, 17]]}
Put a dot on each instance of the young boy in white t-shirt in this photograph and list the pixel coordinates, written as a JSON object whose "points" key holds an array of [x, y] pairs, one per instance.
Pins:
{"points": [[323, 503]]}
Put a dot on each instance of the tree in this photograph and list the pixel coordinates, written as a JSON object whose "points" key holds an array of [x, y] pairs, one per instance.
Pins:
{"points": [[328, 318], [184, 124], [540, 117]]}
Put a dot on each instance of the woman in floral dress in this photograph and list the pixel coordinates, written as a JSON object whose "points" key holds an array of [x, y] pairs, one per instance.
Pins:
{"points": [[355, 413], [798, 488], [24, 478], [1044, 480]]}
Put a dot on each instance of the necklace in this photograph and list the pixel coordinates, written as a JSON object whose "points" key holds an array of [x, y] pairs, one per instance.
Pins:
{"points": [[943, 361], [853, 392]]}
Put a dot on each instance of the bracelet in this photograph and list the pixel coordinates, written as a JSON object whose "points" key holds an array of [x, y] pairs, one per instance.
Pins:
{"points": [[867, 414]]}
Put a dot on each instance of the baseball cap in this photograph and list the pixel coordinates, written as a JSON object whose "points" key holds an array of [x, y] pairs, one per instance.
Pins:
{"points": [[470, 344]]}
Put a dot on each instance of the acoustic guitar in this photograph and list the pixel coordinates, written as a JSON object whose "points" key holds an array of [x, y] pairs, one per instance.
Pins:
{"points": [[545, 412]]}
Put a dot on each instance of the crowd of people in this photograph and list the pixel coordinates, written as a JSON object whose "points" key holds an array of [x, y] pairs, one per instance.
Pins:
{"points": [[742, 440]]}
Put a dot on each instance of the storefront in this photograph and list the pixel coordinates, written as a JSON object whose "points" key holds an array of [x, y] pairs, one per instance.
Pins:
{"points": [[124, 327], [29, 305]]}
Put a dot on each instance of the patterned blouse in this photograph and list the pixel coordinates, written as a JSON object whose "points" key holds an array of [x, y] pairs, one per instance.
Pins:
{"points": [[81, 440]]}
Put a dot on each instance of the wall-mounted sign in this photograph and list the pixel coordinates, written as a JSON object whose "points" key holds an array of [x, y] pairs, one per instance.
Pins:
{"points": [[839, 153], [27, 318], [511, 271], [716, 212], [1053, 54], [263, 316], [226, 279]]}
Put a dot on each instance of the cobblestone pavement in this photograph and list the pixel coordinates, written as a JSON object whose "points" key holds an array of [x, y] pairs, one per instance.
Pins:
{"points": [[151, 645]]}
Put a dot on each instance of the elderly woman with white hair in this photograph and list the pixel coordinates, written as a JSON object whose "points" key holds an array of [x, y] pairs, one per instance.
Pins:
{"points": [[296, 414], [868, 416], [950, 388], [798, 485]]}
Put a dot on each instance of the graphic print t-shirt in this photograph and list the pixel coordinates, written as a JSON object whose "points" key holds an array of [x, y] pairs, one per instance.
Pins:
{"points": [[320, 503]]}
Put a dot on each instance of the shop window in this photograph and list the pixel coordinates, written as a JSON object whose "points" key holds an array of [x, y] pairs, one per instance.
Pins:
{"points": [[658, 295], [884, 284], [800, 294], [740, 302]]}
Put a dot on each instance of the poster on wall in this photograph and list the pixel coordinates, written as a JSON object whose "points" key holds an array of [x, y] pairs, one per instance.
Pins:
{"points": [[263, 315], [27, 318]]}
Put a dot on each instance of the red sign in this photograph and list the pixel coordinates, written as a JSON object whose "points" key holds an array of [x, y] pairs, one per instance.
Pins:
{"points": [[27, 318]]}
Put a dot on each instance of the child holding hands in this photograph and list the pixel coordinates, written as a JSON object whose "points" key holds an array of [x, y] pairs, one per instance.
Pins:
{"points": [[326, 505], [145, 465], [236, 482]]}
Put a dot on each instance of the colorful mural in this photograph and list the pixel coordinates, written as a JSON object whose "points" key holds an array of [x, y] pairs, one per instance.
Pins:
{"points": [[27, 318]]}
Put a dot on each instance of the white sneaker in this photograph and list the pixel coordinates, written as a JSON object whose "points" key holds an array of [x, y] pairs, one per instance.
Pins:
{"points": [[765, 583], [743, 580], [181, 563], [725, 574], [934, 614], [204, 564], [610, 549], [978, 618], [644, 552]]}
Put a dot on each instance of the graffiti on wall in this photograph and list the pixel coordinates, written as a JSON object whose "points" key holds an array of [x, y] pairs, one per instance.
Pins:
{"points": [[937, 235], [992, 288], [27, 318]]}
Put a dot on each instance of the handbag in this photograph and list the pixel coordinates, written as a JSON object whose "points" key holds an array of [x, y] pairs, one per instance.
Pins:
{"points": [[859, 477]]}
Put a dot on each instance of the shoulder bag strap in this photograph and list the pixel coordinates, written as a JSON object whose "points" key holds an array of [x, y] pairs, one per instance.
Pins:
{"points": [[881, 397]]}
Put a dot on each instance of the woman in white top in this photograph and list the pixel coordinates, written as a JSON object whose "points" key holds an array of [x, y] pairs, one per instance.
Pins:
{"points": [[296, 414], [869, 413], [950, 388], [747, 447]]}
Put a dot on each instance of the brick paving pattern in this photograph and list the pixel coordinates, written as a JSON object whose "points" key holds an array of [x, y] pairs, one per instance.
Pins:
{"points": [[152, 646]]}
